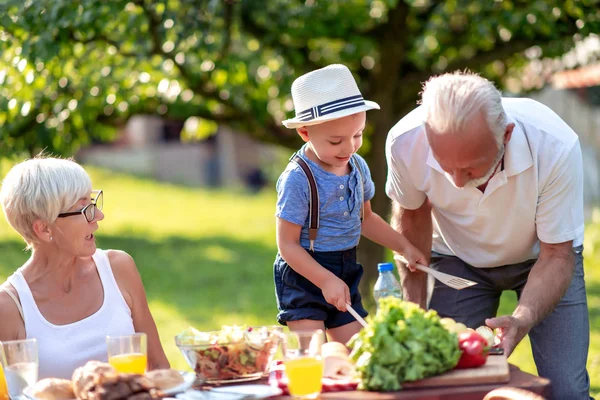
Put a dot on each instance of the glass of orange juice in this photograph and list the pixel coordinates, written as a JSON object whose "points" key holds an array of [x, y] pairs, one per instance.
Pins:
{"points": [[3, 387], [128, 353], [303, 364]]}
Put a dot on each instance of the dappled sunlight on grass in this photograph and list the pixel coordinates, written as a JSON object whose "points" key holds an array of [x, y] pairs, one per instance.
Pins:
{"points": [[170, 322], [205, 257], [592, 277], [12, 255], [594, 363], [217, 253], [159, 209]]}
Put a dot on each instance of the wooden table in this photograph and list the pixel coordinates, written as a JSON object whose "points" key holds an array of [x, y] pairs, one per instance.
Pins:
{"points": [[518, 379]]}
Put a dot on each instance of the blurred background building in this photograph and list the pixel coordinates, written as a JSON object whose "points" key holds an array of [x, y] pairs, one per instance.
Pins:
{"points": [[152, 147]]}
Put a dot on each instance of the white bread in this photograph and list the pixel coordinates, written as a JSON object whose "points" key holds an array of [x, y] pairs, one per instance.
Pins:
{"points": [[83, 377], [165, 378], [334, 349], [336, 361], [53, 389]]}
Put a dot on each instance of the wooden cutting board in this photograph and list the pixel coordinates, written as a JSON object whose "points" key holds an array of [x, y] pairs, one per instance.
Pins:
{"points": [[495, 370]]}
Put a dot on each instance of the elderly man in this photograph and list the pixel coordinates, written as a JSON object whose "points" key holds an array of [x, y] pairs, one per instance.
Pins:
{"points": [[492, 187]]}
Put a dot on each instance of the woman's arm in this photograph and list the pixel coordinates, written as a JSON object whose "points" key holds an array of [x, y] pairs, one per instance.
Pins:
{"points": [[130, 284], [12, 326]]}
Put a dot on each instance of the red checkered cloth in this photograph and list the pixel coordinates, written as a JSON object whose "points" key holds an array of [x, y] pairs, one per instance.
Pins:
{"points": [[278, 379]]}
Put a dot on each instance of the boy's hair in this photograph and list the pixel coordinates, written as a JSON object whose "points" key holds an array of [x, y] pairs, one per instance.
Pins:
{"points": [[40, 189]]}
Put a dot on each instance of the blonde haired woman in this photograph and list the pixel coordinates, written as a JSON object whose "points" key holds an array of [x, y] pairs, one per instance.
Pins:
{"points": [[69, 294]]}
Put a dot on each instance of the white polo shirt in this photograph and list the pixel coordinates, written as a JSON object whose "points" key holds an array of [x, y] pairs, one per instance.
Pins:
{"points": [[537, 196]]}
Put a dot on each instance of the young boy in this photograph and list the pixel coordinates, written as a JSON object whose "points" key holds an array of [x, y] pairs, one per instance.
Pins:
{"points": [[315, 277]]}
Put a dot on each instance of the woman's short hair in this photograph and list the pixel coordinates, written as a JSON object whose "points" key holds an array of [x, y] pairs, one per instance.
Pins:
{"points": [[39, 189], [453, 100]]}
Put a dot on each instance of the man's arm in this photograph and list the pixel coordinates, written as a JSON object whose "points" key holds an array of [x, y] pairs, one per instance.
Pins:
{"points": [[547, 283], [417, 227], [559, 219]]}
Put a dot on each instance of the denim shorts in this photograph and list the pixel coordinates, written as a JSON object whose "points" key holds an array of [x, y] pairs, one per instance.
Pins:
{"points": [[298, 298]]}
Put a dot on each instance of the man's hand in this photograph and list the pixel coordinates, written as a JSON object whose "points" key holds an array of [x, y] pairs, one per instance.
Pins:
{"points": [[511, 331], [548, 280], [336, 293]]}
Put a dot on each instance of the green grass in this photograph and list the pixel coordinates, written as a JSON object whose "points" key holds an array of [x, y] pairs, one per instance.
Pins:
{"points": [[206, 258]]}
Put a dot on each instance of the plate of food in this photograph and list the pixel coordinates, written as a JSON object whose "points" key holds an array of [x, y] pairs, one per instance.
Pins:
{"points": [[170, 382], [234, 392], [233, 354], [98, 379], [50, 389], [252, 391]]}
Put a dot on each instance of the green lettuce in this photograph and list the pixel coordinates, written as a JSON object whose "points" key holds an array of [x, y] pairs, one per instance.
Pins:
{"points": [[402, 343]]}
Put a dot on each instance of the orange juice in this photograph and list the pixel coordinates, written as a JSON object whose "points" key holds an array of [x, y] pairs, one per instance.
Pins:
{"points": [[304, 376], [3, 387], [134, 363]]}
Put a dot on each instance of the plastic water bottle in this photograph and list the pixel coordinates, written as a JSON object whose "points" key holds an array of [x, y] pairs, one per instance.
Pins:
{"points": [[387, 284]]}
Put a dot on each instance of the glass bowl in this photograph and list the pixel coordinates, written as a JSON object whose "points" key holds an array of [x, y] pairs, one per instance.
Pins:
{"points": [[233, 354]]}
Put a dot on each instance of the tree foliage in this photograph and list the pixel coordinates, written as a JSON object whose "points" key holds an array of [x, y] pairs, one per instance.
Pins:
{"points": [[70, 71]]}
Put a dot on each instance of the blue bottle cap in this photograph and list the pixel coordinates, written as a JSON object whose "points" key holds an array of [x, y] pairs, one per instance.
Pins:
{"points": [[383, 267]]}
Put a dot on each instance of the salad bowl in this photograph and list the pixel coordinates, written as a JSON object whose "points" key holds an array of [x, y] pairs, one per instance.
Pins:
{"points": [[233, 354]]}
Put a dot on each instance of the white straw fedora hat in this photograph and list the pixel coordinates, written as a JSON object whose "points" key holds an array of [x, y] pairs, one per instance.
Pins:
{"points": [[326, 94]]}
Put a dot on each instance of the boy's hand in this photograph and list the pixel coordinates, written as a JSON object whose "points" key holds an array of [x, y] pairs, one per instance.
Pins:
{"points": [[414, 257], [336, 293]]}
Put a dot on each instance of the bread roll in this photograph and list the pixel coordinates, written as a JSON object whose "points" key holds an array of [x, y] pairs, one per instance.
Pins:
{"points": [[336, 361], [165, 378], [334, 349], [115, 386], [53, 389], [83, 377]]}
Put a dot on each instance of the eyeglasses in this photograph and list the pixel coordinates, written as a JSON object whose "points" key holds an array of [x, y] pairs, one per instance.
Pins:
{"points": [[89, 211]]}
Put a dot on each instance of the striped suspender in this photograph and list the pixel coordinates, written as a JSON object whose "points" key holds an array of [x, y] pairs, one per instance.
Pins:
{"points": [[313, 202]]}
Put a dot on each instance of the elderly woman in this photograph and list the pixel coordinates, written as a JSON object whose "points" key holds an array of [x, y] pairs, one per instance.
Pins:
{"points": [[69, 295]]}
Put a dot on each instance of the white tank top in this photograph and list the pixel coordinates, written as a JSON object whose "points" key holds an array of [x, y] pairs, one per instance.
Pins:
{"points": [[63, 348]]}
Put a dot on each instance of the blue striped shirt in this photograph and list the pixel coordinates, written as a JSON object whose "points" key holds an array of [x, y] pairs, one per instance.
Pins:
{"points": [[339, 202]]}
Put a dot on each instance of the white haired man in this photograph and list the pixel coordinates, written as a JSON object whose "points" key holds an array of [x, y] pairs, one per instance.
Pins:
{"points": [[492, 188]]}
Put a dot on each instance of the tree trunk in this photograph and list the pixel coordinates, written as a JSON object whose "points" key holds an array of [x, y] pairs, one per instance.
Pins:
{"points": [[400, 101], [385, 82], [370, 253]]}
